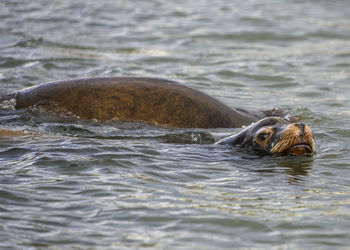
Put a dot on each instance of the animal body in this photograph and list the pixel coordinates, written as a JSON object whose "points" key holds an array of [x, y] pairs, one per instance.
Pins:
{"points": [[166, 103]]}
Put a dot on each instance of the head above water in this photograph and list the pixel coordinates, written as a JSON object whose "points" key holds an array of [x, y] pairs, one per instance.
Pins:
{"points": [[275, 135]]}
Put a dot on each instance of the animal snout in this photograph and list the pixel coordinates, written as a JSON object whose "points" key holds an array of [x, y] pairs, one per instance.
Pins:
{"points": [[301, 127]]}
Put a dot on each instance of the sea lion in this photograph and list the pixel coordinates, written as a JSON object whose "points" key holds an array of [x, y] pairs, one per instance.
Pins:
{"points": [[168, 103], [274, 135], [137, 99]]}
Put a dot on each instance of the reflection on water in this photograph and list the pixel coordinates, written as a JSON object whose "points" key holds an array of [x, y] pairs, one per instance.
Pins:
{"points": [[67, 183], [297, 170]]}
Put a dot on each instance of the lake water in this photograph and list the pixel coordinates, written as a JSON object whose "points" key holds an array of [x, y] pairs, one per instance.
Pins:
{"points": [[85, 185]]}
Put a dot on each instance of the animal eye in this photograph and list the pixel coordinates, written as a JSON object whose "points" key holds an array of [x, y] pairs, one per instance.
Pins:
{"points": [[263, 136]]}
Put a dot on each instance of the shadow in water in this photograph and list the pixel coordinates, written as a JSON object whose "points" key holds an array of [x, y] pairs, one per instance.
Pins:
{"points": [[296, 167]]}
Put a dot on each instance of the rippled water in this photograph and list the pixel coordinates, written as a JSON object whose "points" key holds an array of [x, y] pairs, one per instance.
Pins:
{"points": [[78, 184]]}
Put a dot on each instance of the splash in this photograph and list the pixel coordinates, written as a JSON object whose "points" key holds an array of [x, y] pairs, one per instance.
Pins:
{"points": [[7, 103]]}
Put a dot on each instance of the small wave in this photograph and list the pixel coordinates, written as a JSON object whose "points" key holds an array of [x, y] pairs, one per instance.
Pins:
{"points": [[7, 102], [188, 137]]}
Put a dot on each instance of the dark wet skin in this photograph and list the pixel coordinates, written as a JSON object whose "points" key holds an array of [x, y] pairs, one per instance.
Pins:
{"points": [[274, 135]]}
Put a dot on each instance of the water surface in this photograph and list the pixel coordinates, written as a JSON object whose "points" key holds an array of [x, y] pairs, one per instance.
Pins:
{"points": [[78, 184]]}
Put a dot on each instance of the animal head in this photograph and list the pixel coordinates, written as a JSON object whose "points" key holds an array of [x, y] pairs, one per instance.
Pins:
{"points": [[274, 135]]}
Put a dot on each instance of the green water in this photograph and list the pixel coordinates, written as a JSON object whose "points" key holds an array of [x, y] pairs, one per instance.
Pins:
{"points": [[81, 185]]}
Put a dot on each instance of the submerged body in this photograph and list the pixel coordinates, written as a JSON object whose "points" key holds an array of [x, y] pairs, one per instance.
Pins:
{"points": [[168, 103], [149, 100]]}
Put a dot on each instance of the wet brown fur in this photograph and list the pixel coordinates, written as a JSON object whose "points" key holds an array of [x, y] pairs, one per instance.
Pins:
{"points": [[292, 136], [149, 100]]}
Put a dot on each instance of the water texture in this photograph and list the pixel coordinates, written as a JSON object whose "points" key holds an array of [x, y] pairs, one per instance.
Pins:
{"points": [[66, 183]]}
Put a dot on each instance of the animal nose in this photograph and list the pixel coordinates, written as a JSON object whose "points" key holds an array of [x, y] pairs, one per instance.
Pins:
{"points": [[301, 127]]}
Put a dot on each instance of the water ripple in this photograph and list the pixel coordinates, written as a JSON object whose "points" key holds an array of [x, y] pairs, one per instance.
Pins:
{"points": [[67, 183]]}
